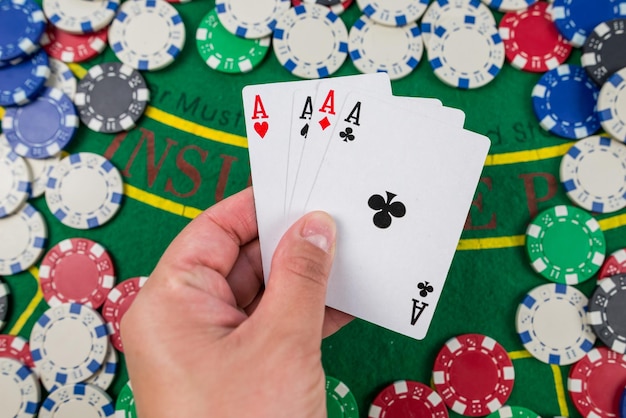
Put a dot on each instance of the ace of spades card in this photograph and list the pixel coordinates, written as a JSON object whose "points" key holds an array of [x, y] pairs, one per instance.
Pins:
{"points": [[399, 186]]}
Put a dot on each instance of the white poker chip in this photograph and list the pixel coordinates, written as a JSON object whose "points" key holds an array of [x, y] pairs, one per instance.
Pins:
{"points": [[612, 105], [40, 168], [19, 390], [68, 344], [144, 49], [250, 19], [310, 41], [552, 324], [77, 400], [457, 10], [104, 377], [593, 173], [84, 190], [509, 5], [465, 54], [28, 233], [393, 12], [80, 16], [378, 48], [62, 78], [15, 179]]}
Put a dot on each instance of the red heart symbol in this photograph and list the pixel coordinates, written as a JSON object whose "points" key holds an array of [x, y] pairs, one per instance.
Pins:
{"points": [[261, 128]]}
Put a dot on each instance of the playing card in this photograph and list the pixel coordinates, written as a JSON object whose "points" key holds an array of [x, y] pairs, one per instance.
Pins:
{"points": [[399, 186]]}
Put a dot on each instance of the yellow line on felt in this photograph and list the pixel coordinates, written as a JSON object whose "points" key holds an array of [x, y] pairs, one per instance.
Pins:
{"points": [[32, 305], [559, 385], [160, 202], [516, 157], [519, 355]]}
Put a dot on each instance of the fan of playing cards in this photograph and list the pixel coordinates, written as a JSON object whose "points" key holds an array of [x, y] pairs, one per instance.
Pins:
{"points": [[398, 174]]}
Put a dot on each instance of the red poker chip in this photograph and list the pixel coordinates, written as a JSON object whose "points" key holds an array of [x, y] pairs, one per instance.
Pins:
{"points": [[614, 264], [17, 348], [531, 40], [77, 270], [69, 47], [117, 303], [408, 398], [473, 374], [596, 383]]}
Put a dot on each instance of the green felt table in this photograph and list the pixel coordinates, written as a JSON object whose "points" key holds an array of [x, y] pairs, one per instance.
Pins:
{"points": [[189, 152]]}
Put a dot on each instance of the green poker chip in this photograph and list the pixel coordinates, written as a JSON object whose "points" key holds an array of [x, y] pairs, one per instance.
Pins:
{"points": [[225, 52], [513, 412], [125, 403], [565, 245], [340, 402]]}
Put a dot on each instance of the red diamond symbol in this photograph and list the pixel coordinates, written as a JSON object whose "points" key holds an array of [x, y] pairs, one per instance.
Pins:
{"points": [[324, 123]]}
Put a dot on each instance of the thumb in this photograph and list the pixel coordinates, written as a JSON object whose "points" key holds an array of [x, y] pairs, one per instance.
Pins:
{"points": [[296, 289]]}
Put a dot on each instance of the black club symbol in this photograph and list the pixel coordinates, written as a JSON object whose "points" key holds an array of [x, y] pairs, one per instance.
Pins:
{"points": [[386, 209], [347, 135], [425, 288]]}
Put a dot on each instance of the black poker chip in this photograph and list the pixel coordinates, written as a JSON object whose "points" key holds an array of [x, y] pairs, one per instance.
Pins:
{"points": [[604, 50]]}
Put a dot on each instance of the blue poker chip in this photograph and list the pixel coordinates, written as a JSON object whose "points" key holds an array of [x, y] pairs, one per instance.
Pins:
{"points": [[622, 404], [88, 399], [393, 13], [21, 25], [576, 19], [370, 51], [84, 190], [565, 102], [43, 128], [20, 82], [308, 56]]}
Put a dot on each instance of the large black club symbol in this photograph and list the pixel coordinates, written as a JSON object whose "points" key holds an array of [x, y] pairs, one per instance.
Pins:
{"points": [[386, 209]]}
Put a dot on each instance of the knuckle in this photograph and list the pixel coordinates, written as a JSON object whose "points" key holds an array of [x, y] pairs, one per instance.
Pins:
{"points": [[307, 266]]}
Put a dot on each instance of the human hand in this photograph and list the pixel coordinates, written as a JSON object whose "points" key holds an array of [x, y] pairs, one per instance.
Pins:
{"points": [[205, 339]]}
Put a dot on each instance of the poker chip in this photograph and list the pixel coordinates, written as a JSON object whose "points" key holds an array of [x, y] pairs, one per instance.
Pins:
{"points": [[77, 270], [309, 56], [80, 16], [21, 81], [603, 51], [551, 323], [393, 12], [69, 344], [251, 19], [575, 19], [104, 377], [15, 181], [564, 101], [28, 233], [531, 41], [335, 6], [596, 382], [125, 403], [612, 105], [622, 404], [39, 168], [62, 78], [593, 173], [225, 52], [448, 53], [340, 402], [21, 25], [4, 302], [77, 400], [473, 374], [143, 49], [84, 190], [15, 347], [565, 244], [605, 313], [458, 10], [42, 128], [377, 48], [118, 301], [19, 390], [69, 47], [614, 264], [103, 112], [405, 395], [513, 412], [510, 5]]}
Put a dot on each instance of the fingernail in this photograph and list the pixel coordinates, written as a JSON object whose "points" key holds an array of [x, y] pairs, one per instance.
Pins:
{"points": [[319, 230]]}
